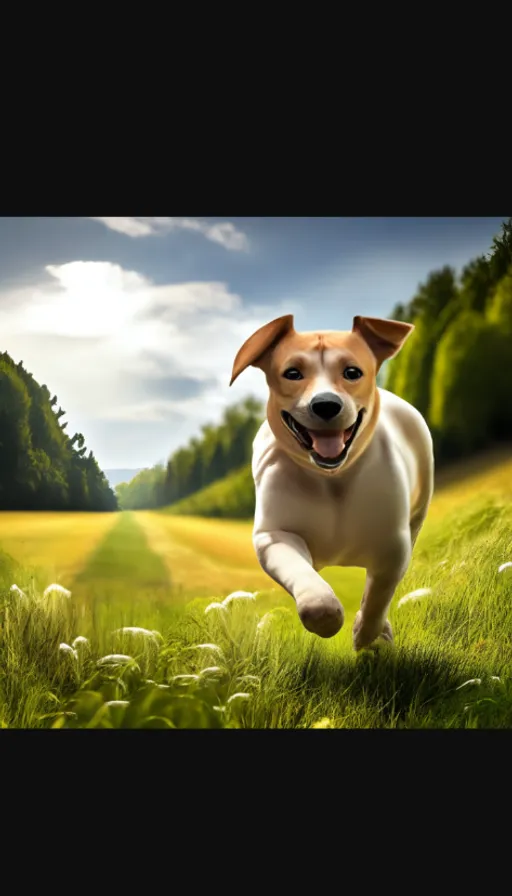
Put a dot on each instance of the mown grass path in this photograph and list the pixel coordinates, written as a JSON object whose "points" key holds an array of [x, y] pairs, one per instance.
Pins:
{"points": [[124, 559]]}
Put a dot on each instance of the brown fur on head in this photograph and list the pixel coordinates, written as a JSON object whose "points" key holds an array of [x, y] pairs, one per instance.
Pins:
{"points": [[323, 402]]}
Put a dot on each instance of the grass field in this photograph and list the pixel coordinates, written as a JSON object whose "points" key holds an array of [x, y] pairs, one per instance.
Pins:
{"points": [[250, 663]]}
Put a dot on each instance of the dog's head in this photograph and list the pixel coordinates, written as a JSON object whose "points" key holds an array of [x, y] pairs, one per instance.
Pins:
{"points": [[323, 401]]}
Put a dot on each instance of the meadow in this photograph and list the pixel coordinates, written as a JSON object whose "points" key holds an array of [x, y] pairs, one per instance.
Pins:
{"points": [[140, 629]]}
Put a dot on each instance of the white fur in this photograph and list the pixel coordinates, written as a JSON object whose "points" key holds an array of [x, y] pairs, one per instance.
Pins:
{"points": [[368, 515]]}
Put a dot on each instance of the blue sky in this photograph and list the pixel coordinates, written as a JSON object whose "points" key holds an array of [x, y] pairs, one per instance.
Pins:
{"points": [[134, 322]]}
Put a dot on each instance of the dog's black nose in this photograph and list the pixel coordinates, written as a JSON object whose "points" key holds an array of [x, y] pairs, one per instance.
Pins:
{"points": [[326, 405]]}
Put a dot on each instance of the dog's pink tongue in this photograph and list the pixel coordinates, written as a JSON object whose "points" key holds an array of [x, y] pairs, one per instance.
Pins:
{"points": [[328, 444]]}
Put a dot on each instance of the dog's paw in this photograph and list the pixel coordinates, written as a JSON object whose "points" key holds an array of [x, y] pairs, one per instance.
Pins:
{"points": [[321, 612], [366, 631]]}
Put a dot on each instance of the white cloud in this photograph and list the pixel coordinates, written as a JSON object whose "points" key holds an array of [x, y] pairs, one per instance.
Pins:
{"points": [[225, 234], [99, 336]]}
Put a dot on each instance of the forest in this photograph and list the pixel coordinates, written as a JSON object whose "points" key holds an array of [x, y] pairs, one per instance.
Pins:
{"points": [[41, 467], [456, 367], [213, 455]]}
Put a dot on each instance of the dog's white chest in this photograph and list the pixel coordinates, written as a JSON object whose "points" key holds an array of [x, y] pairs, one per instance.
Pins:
{"points": [[346, 520]]}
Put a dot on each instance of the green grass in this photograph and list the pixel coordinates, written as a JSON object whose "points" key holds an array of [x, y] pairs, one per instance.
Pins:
{"points": [[462, 631], [123, 556]]}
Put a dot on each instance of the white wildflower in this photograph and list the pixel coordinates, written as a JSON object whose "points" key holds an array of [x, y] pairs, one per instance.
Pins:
{"points": [[264, 622], [118, 703], [239, 696], [213, 647], [183, 679], [212, 670], [18, 591], [414, 595], [495, 678], [502, 568], [56, 589], [215, 606], [118, 658], [80, 641], [469, 681], [249, 679], [239, 595], [135, 630], [65, 648]]}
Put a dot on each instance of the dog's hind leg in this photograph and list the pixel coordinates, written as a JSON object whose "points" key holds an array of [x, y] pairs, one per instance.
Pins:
{"points": [[416, 524], [285, 557]]}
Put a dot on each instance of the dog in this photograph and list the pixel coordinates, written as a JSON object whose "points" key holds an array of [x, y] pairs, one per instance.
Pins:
{"points": [[343, 469]]}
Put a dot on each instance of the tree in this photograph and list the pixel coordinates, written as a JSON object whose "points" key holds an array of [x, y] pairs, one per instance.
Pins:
{"points": [[476, 284], [500, 306], [500, 257], [433, 308], [203, 461], [463, 407], [15, 447], [399, 312], [439, 289], [499, 315], [39, 467]]}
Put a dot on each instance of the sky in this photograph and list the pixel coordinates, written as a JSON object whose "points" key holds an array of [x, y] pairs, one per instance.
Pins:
{"points": [[134, 323]]}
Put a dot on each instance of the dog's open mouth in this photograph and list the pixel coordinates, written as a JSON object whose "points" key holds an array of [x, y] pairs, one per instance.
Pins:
{"points": [[327, 447]]}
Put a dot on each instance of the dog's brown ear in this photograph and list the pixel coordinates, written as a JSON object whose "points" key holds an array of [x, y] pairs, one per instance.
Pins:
{"points": [[384, 337], [260, 342]]}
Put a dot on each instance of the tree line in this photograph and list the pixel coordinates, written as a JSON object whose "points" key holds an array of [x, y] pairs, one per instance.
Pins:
{"points": [[41, 467], [218, 451], [456, 367]]}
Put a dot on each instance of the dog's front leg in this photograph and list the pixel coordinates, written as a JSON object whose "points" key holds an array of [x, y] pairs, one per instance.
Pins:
{"points": [[381, 583], [286, 559]]}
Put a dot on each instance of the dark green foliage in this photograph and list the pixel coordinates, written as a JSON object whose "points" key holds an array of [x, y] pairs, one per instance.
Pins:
{"points": [[431, 310], [463, 406], [232, 497], [456, 368], [500, 258], [143, 490], [221, 450], [413, 367], [476, 284], [40, 468], [500, 308], [500, 316]]}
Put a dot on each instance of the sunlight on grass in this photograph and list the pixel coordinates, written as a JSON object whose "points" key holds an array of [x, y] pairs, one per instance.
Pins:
{"points": [[250, 663], [160, 627], [489, 474], [202, 555], [58, 542]]}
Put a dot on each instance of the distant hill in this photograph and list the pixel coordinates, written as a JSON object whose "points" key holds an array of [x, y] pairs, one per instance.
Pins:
{"points": [[116, 476], [231, 497]]}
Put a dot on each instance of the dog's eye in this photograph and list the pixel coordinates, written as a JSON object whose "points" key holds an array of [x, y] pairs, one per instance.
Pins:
{"points": [[352, 373], [293, 374]]}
